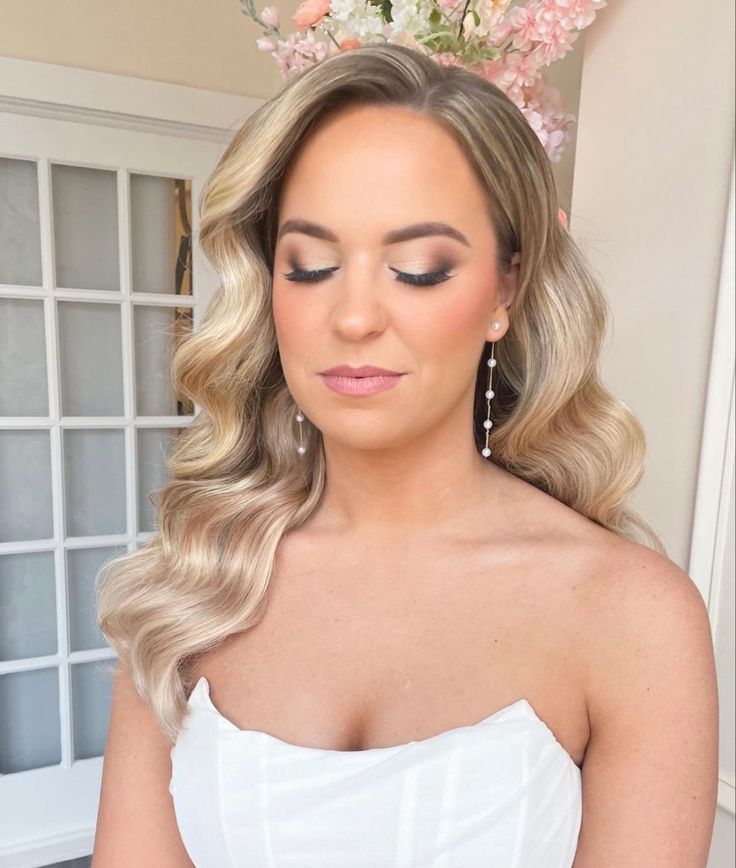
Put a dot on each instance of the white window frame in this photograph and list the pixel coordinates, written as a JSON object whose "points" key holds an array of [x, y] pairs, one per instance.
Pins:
{"points": [[49, 814], [715, 487]]}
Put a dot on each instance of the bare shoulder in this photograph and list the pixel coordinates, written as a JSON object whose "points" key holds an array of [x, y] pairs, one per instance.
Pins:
{"points": [[620, 583], [641, 608], [650, 769], [136, 822]]}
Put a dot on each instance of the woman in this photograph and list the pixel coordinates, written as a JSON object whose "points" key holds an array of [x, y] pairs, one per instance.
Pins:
{"points": [[402, 617]]}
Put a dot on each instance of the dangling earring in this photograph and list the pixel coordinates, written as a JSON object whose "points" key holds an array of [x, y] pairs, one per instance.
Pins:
{"points": [[495, 325], [300, 418]]}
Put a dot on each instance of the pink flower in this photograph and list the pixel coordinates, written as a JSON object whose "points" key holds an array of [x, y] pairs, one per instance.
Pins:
{"points": [[446, 58], [270, 16], [404, 37], [517, 76], [298, 52], [545, 114], [573, 14], [523, 20], [266, 43], [310, 12], [531, 35], [514, 73], [557, 41], [453, 9]]}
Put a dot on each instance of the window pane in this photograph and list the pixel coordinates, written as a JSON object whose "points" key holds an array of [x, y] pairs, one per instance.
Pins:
{"points": [[94, 476], [154, 444], [85, 227], [27, 605], [20, 235], [82, 568], [29, 720], [90, 351], [91, 700], [160, 211], [23, 381], [25, 486], [158, 331]]}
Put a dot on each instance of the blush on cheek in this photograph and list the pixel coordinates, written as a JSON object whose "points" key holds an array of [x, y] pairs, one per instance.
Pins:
{"points": [[286, 315], [457, 322], [298, 334]]}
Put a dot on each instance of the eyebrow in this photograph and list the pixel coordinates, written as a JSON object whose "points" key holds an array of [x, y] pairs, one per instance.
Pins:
{"points": [[394, 236]]}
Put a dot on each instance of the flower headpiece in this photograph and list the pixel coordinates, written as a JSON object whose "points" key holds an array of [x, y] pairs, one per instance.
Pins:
{"points": [[504, 43]]}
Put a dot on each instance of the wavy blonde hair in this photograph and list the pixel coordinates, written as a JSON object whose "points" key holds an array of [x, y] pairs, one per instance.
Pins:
{"points": [[237, 483]]}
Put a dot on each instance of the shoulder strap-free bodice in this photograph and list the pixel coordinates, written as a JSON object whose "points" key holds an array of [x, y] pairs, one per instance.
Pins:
{"points": [[500, 792]]}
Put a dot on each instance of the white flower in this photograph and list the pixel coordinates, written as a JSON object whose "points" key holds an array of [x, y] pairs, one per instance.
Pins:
{"points": [[411, 15], [469, 24], [270, 16], [266, 43], [490, 13], [358, 17]]}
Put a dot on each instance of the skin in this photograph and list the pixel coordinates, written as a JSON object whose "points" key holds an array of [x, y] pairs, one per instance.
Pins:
{"points": [[432, 588], [379, 448]]}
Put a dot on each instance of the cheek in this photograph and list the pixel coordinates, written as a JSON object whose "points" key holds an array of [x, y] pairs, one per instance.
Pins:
{"points": [[291, 321], [453, 328], [447, 339]]}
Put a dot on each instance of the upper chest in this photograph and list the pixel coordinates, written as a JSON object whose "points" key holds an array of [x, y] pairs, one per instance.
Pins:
{"points": [[362, 648]]}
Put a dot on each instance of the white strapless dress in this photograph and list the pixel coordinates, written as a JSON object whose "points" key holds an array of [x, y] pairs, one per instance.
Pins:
{"points": [[500, 793]]}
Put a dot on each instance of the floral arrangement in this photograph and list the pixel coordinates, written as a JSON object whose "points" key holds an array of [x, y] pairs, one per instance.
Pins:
{"points": [[505, 42]]}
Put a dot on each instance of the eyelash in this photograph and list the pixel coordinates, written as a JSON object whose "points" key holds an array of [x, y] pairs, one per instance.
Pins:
{"points": [[427, 279]]}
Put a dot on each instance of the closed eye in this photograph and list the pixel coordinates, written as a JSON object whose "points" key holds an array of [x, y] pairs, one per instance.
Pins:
{"points": [[425, 279], [301, 275]]}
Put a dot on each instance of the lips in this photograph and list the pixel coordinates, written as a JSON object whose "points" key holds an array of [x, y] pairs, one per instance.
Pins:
{"points": [[362, 371]]}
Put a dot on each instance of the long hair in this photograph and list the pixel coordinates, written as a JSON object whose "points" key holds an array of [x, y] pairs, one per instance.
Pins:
{"points": [[237, 483]]}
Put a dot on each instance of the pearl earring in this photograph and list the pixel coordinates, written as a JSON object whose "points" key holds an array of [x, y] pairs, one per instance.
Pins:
{"points": [[301, 449], [495, 325]]}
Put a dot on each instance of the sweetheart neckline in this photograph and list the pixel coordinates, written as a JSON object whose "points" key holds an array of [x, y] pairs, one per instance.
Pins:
{"points": [[506, 710]]}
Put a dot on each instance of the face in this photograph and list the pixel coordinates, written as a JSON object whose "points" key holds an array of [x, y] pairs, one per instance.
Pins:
{"points": [[353, 285]]}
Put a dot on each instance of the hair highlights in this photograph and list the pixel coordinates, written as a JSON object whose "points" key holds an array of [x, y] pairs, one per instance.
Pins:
{"points": [[238, 484]]}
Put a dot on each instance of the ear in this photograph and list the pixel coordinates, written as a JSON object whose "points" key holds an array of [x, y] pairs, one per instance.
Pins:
{"points": [[508, 288], [510, 280]]}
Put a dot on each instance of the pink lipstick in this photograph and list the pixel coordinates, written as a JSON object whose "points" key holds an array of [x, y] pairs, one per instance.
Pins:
{"points": [[363, 380]]}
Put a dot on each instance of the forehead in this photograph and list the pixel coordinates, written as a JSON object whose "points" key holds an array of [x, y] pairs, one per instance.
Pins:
{"points": [[384, 166]]}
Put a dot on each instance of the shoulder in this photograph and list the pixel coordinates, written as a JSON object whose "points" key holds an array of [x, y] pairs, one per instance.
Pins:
{"points": [[622, 588], [641, 607], [651, 766], [135, 805], [646, 632]]}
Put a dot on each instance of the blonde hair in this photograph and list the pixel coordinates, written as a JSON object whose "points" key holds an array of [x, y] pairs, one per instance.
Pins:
{"points": [[237, 483]]}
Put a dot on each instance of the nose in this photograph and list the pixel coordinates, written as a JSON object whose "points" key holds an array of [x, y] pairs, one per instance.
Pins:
{"points": [[358, 310]]}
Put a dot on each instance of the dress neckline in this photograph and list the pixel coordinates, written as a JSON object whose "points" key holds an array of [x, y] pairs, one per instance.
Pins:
{"points": [[522, 707]]}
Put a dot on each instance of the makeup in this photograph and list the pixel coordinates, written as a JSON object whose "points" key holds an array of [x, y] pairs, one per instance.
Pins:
{"points": [[360, 385]]}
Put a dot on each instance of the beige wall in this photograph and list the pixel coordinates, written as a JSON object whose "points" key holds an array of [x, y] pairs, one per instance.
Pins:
{"points": [[209, 45], [201, 43], [652, 169]]}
